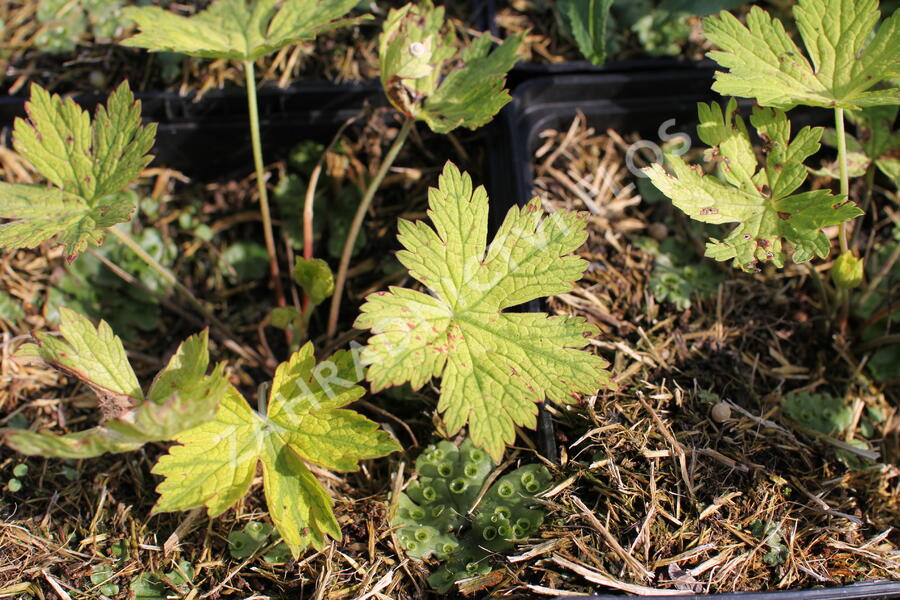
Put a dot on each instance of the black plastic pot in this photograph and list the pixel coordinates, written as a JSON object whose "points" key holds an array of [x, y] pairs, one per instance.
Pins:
{"points": [[639, 102], [854, 591], [210, 137]]}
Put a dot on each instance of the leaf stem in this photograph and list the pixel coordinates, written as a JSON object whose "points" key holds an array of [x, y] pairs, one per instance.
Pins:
{"points": [[358, 218], [820, 285], [261, 182], [229, 337], [842, 165], [309, 203], [882, 273]]}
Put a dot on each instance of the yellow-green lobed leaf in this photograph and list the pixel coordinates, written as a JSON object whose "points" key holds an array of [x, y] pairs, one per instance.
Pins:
{"points": [[760, 200], [495, 366], [426, 77], [844, 61], [236, 29], [89, 165], [215, 462], [181, 397]]}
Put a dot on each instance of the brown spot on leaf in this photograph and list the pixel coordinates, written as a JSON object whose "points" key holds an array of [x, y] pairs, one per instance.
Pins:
{"points": [[709, 210], [783, 215]]}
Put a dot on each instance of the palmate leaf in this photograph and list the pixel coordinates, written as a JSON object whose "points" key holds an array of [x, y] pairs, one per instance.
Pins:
{"points": [[88, 165], [181, 397], [305, 422], [843, 63], [234, 29], [426, 78], [761, 201], [495, 366]]}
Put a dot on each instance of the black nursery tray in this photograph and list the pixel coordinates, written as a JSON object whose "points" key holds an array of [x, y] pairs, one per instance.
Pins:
{"points": [[868, 589], [210, 137], [640, 102]]}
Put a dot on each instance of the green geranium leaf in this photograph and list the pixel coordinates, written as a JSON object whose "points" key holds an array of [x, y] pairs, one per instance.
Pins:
{"points": [[587, 20], [495, 365], [760, 200], [845, 61], [315, 278], [182, 395], [236, 29], [88, 164], [305, 422], [878, 138], [426, 78], [93, 355]]}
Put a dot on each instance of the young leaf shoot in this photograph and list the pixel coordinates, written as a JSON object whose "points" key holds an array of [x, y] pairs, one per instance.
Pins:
{"points": [[181, 396], [417, 51], [761, 200], [495, 366], [587, 20]]}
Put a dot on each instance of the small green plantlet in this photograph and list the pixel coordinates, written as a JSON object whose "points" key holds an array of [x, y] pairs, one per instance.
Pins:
{"points": [[760, 199], [587, 22], [845, 60], [315, 278], [677, 278], [181, 396], [70, 474], [878, 139], [662, 33], [246, 542], [91, 288], [65, 23], [238, 30], [88, 164], [10, 310], [426, 78], [254, 537], [495, 366], [215, 462], [824, 413], [160, 586], [437, 515], [829, 416], [770, 533], [102, 577], [244, 261]]}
